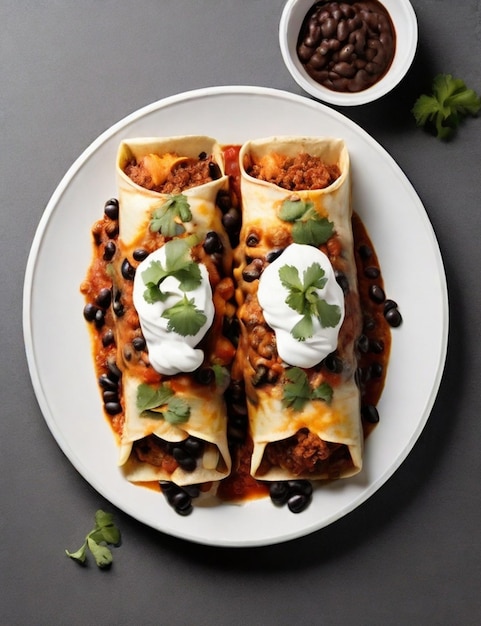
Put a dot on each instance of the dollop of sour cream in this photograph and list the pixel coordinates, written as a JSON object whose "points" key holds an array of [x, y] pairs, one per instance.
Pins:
{"points": [[169, 352], [282, 318]]}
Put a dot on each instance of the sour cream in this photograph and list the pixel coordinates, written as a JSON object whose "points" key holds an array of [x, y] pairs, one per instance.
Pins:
{"points": [[282, 318], [169, 352]]}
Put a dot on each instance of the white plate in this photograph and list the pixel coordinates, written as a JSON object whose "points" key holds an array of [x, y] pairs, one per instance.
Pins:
{"points": [[60, 362]]}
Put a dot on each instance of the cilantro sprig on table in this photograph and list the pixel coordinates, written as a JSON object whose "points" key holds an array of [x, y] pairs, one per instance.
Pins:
{"points": [[174, 410], [184, 317], [308, 226], [303, 298], [297, 391], [104, 533], [169, 218], [450, 102]]}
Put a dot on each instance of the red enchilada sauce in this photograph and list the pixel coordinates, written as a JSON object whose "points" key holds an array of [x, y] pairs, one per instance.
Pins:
{"points": [[373, 345]]}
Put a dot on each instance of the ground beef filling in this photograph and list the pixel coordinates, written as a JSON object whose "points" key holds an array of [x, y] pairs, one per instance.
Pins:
{"points": [[302, 454], [302, 172], [184, 174]]}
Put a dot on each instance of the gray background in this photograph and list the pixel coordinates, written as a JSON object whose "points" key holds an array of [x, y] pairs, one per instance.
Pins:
{"points": [[411, 554]]}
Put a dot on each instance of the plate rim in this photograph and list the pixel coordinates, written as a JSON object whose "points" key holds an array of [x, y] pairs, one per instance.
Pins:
{"points": [[48, 213]]}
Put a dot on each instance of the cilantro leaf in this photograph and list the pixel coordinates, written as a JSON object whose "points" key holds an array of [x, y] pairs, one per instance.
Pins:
{"points": [[169, 217], [297, 392], [329, 314], [312, 230], [303, 329], [178, 411], [105, 532], [149, 397], [450, 102], [293, 209], [323, 392], [179, 264], [308, 226], [184, 317], [303, 298]]}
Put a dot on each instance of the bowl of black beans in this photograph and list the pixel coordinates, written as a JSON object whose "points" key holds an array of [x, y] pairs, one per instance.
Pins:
{"points": [[348, 53]]}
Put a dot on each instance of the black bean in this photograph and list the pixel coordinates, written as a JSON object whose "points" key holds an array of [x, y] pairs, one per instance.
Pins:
{"points": [[205, 375], [203, 156], [376, 370], [128, 271], [168, 487], [140, 254], [138, 343], [104, 298], [274, 254], [365, 251], [113, 408], [372, 272], [232, 221], [111, 209], [369, 323], [214, 170], [342, 281], [113, 371], [106, 383], [298, 503], [376, 346], [90, 311], [108, 338], [212, 243], [370, 414], [376, 293], [99, 318], [252, 240], [181, 501], [109, 250], [194, 446], [118, 308], [389, 304], [393, 317], [223, 201], [301, 486], [334, 363], [363, 344], [110, 396], [279, 492]]}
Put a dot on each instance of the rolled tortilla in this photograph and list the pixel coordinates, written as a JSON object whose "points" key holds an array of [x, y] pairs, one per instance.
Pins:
{"points": [[283, 434], [148, 438]]}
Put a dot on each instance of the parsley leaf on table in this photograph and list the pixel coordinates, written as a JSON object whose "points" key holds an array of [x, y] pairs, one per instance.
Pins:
{"points": [[104, 533], [450, 102]]}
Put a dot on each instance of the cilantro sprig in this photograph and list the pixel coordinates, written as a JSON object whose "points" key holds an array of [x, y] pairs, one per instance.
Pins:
{"points": [[104, 533], [169, 218], [297, 391], [308, 226], [184, 317], [174, 410], [303, 298], [450, 102]]}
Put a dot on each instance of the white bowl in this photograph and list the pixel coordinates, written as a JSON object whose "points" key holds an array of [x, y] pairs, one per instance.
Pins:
{"points": [[406, 28]]}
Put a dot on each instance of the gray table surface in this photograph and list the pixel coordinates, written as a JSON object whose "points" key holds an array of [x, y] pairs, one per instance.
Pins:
{"points": [[411, 553]]}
